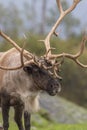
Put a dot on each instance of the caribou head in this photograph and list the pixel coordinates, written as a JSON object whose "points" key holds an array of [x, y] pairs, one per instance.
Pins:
{"points": [[44, 69]]}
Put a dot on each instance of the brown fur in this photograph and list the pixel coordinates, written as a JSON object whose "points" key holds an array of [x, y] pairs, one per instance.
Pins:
{"points": [[20, 88], [11, 81]]}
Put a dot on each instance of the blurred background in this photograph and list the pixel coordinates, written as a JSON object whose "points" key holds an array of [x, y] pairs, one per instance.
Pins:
{"points": [[34, 19]]}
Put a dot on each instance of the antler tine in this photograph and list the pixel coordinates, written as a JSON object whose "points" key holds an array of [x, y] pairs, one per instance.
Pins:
{"points": [[84, 39], [22, 62], [21, 54], [9, 68], [62, 15], [59, 6], [18, 67], [73, 57], [10, 40], [25, 53]]}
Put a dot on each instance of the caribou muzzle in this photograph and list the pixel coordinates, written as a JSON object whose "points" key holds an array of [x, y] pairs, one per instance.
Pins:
{"points": [[53, 87]]}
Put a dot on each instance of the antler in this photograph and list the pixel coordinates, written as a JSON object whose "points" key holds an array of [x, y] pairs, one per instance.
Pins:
{"points": [[54, 57], [23, 53], [26, 54], [49, 56], [62, 15], [22, 63], [73, 57]]}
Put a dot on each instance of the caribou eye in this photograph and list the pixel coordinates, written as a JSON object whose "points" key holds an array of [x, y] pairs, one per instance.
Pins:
{"points": [[31, 68], [28, 69]]}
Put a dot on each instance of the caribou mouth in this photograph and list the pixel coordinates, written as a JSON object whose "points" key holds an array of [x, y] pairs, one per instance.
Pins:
{"points": [[54, 91]]}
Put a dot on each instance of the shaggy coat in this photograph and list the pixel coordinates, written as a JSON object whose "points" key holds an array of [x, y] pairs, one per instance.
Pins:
{"points": [[16, 84], [20, 88]]}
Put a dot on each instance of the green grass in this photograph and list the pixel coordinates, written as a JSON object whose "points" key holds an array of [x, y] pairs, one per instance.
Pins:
{"points": [[64, 127], [40, 123], [51, 126]]}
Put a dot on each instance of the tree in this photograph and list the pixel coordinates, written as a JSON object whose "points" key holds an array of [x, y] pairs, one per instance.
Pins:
{"points": [[10, 20], [43, 16]]}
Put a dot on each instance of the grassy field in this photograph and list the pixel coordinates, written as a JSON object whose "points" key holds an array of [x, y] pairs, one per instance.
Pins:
{"points": [[63, 127], [40, 123], [51, 126], [66, 127]]}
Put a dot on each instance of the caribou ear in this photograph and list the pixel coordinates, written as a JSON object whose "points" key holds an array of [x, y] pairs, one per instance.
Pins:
{"points": [[28, 69]]}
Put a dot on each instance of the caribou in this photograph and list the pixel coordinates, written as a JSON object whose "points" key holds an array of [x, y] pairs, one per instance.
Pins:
{"points": [[24, 75]]}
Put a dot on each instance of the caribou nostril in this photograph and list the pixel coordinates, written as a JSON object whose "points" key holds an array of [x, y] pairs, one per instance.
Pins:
{"points": [[51, 86], [57, 84], [56, 91]]}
